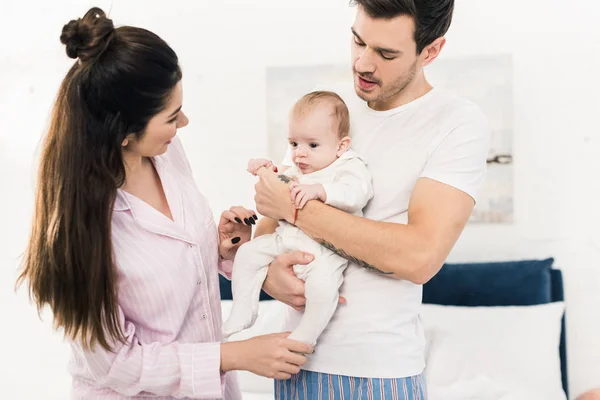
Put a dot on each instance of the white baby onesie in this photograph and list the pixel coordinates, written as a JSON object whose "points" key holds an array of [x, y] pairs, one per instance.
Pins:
{"points": [[348, 185]]}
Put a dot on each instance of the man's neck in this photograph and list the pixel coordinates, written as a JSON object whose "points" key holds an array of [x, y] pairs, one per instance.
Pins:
{"points": [[415, 89]]}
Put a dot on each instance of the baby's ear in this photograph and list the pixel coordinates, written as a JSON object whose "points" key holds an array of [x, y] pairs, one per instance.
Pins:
{"points": [[343, 145]]}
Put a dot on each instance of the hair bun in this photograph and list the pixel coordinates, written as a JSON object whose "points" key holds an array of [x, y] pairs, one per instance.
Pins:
{"points": [[87, 37]]}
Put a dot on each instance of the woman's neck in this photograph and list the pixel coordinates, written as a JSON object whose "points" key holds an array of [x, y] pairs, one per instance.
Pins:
{"points": [[135, 165]]}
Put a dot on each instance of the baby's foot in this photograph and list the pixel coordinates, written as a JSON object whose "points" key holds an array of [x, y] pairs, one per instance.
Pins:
{"points": [[237, 322]]}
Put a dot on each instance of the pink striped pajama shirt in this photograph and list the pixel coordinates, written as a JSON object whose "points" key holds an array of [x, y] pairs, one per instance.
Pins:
{"points": [[169, 302]]}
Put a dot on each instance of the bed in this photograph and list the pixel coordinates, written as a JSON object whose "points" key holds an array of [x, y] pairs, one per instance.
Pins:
{"points": [[495, 331]]}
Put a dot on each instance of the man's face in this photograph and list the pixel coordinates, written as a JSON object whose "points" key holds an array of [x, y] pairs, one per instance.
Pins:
{"points": [[384, 58]]}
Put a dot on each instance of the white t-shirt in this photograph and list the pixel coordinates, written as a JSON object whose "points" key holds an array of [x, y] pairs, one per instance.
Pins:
{"points": [[439, 136]]}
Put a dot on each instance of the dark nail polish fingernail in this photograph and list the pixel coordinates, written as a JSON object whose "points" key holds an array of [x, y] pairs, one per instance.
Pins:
{"points": [[235, 240], [239, 221], [246, 221], [252, 221], [255, 217]]}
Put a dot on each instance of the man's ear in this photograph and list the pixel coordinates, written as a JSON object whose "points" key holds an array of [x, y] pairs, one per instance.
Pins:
{"points": [[343, 145], [432, 51]]}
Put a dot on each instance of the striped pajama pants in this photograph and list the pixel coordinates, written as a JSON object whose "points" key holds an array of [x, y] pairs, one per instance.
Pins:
{"points": [[309, 385]]}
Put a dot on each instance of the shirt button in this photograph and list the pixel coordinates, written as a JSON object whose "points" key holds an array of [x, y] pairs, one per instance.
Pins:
{"points": [[199, 281], [191, 245], [203, 316]]}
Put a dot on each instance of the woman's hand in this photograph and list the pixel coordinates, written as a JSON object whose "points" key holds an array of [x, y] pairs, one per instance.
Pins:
{"points": [[235, 229], [272, 356]]}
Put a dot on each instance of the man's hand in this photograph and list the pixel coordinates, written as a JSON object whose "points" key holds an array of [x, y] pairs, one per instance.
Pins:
{"points": [[301, 194], [272, 196], [281, 282]]}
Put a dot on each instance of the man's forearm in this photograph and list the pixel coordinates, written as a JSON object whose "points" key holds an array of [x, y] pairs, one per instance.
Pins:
{"points": [[387, 248]]}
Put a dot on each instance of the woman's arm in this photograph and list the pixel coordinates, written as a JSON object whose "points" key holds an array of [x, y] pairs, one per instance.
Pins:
{"points": [[174, 369], [188, 369]]}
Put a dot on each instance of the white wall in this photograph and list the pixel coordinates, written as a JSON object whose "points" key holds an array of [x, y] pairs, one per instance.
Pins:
{"points": [[224, 48]]}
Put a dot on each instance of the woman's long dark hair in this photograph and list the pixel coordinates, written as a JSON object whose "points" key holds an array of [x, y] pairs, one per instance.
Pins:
{"points": [[121, 79]]}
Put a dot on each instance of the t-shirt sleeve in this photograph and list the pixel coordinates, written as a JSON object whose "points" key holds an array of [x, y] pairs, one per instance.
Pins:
{"points": [[459, 159]]}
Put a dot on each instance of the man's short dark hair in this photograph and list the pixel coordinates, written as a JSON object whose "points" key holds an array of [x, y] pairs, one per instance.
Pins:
{"points": [[432, 17]]}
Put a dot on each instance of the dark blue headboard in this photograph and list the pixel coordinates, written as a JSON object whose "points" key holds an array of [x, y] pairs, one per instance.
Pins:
{"points": [[516, 283], [558, 294]]}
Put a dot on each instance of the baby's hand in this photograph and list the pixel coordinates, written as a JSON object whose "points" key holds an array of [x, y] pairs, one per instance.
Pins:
{"points": [[301, 194], [257, 163]]}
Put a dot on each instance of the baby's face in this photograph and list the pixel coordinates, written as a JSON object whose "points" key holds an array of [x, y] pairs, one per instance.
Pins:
{"points": [[313, 139]]}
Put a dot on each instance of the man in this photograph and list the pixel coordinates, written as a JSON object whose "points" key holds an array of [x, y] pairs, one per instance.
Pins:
{"points": [[426, 151]]}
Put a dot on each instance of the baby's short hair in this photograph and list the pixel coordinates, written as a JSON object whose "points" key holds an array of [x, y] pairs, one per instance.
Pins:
{"points": [[320, 97]]}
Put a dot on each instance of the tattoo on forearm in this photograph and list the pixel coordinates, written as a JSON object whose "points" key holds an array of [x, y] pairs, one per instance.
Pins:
{"points": [[350, 258], [284, 178]]}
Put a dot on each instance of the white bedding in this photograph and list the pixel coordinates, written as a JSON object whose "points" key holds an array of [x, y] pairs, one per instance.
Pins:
{"points": [[499, 353], [480, 388], [494, 351], [256, 396]]}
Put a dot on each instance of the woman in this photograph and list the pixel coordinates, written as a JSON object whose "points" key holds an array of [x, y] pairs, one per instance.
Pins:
{"points": [[124, 248]]}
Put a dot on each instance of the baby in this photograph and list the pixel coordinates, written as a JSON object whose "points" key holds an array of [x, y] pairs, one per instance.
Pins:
{"points": [[325, 169]]}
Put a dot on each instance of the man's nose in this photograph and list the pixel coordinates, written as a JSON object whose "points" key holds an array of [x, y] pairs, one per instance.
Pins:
{"points": [[365, 64]]}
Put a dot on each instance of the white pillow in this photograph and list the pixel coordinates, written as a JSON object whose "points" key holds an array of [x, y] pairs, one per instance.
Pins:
{"points": [[517, 347], [270, 319]]}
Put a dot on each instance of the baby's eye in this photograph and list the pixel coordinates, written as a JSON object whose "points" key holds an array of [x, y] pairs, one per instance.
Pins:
{"points": [[313, 145], [293, 144]]}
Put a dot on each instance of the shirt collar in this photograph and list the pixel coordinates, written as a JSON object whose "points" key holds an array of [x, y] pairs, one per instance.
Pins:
{"points": [[121, 202]]}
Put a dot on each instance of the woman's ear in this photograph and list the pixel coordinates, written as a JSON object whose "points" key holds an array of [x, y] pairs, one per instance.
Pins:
{"points": [[128, 139], [343, 145]]}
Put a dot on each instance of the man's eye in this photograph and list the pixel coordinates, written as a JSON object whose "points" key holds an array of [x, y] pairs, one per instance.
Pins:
{"points": [[358, 42], [386, 57]]}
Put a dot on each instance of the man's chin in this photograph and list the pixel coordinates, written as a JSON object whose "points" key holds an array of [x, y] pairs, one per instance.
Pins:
{"points": [[366, 96]]}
